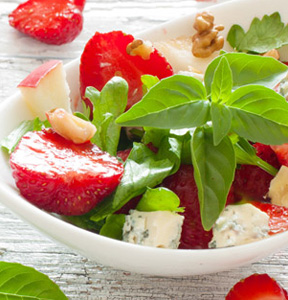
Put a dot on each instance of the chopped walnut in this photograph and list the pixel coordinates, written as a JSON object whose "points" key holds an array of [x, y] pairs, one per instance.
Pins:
{"points": [[70, 127], [273, 53], [140, 48], [206, 40]]}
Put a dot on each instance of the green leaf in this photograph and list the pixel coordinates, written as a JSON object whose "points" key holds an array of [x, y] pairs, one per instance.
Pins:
{"points": [[259, 115], [248, 69], [175, 96], [148, 81], [221, 120], [21, 282], [10, 142], [214, 168], [235, 35], [159, 199], [246, 154], [108, 105], [113, 227], [262, 36], [143, 169], [222, 82], [81, 115]]}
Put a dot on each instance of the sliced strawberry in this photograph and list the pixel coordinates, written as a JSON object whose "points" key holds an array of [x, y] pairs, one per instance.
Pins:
{"points": [[183, 184], [257, 287], [80, 4], [278, 216], [123, 154], [59, 176], [49, 21], [281, 152], [252, 181], [105, 56]]}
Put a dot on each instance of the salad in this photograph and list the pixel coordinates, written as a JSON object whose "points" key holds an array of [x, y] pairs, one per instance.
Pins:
{"points": [[167, 160]]}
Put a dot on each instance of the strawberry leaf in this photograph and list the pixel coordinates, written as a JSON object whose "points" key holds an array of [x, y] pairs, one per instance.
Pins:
{"points": [[248, 69], [259, 114], [262, 36], [107, 106], [21, 282], [214, 168], [172, 97]]}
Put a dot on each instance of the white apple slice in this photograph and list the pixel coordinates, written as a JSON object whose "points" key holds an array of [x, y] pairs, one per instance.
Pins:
{"points": [[46, 88], [178, 53]]}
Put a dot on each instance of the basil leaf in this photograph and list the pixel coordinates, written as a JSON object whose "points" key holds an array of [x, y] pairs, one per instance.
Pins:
{"points": [[21, 282], [175, 96], [248, 69], [222, 82], [143, 169], [10, 142], [221, 120], [107, 106], [113, 227], [159, 199], [259, 115], [235, 35], [246, 154], [148, 81], [262, 36], [214, 168]]}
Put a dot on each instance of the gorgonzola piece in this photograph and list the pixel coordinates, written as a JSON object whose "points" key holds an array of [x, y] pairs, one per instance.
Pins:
{"points": [[160, 229], [239, 224], [278, 190]]}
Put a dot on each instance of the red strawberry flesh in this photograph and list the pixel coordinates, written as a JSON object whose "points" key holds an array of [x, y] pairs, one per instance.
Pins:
{"points": [[183, 184], [105, 56], [278, 216], [49, 21], [251, 181], [59, 176], [257, 287]]}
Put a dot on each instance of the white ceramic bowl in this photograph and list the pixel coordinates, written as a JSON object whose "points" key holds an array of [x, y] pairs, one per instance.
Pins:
{"points": [[120, 255]]}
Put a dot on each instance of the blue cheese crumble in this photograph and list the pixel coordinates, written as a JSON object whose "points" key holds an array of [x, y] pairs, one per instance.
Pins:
{"points": [[161, 229], [238, 225]]}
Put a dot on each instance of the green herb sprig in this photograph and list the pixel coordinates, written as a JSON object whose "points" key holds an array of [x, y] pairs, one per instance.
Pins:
{"points": [[236, 98]]}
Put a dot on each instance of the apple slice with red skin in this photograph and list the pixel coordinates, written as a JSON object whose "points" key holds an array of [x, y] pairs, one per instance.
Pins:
{"points": [[46, 88]]}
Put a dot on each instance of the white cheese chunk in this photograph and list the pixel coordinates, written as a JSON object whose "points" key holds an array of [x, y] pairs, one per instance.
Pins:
{"points": [[239, 224], [278, 190], [160, 229]]}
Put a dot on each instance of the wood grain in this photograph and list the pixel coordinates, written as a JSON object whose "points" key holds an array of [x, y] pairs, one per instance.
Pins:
{"points": [[77, 276]]}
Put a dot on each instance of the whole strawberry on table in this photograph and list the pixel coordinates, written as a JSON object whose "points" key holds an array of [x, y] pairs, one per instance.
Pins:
{"points": [[49, 21]]}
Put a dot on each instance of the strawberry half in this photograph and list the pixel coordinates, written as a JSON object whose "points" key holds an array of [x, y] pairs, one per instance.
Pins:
{"points": [[59, 176], [252, 181], [278, 216], [281, 152], [257, 287], [183, 184], [105, 56], [49, 21]]}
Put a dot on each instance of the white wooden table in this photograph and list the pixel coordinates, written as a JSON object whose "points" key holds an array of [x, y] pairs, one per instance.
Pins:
{"points": [[77, 276]]}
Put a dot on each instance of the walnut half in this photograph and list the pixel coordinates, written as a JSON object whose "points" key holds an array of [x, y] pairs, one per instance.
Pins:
{"points": [[206, 40]]}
